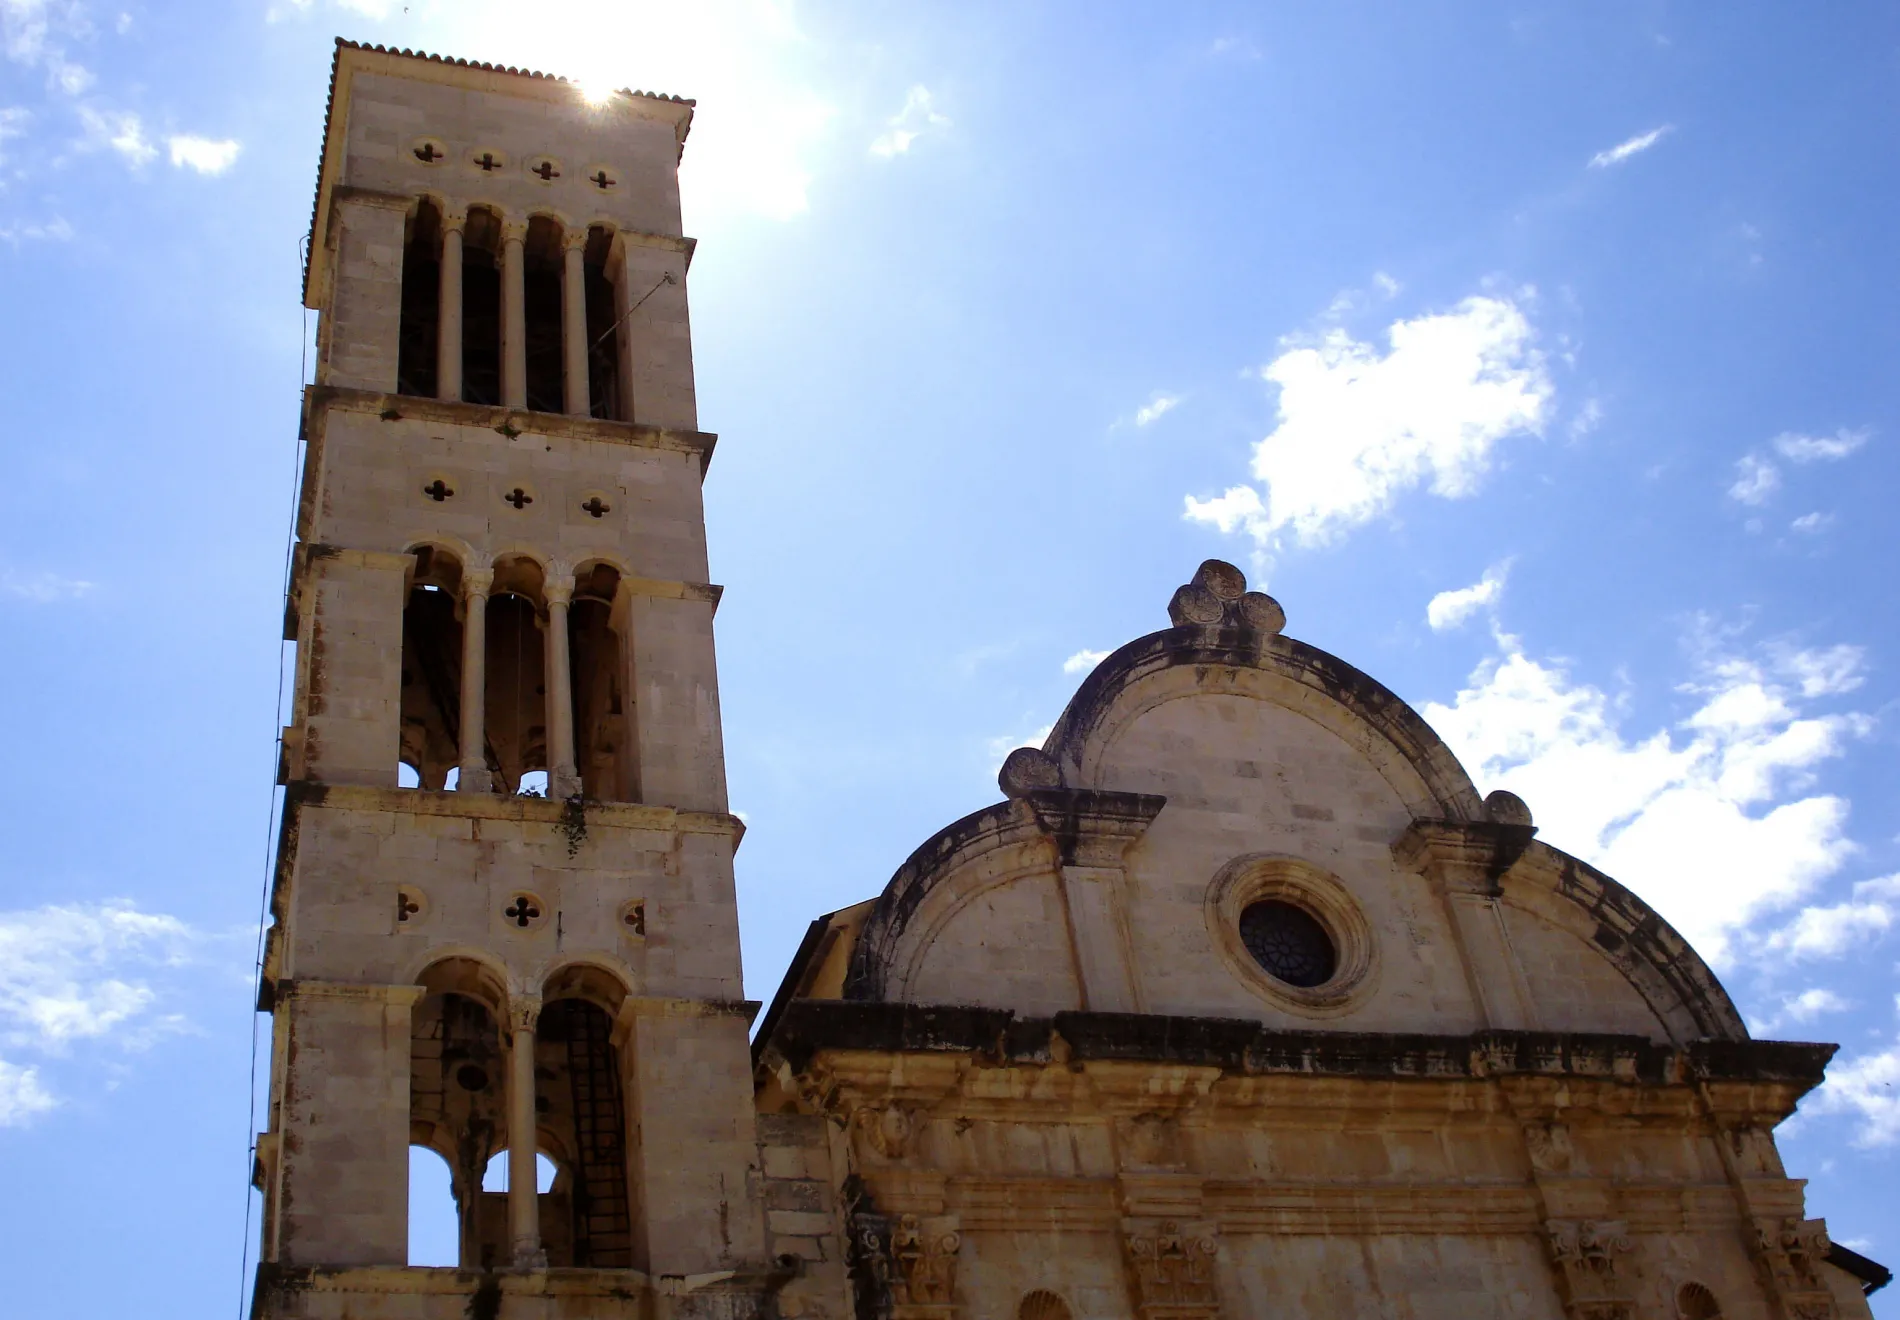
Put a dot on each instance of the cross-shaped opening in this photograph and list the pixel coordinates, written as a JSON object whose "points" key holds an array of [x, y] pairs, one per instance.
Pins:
{"points": [[522, 911], [406, 907], [545, 171], [518, 497], [486, 162], [437, 490], [601, 180], [427, 154], [596, 507], [636, 918]]}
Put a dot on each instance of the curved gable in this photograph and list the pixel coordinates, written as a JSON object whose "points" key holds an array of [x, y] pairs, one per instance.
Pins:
{"points": [[1217, 767]]}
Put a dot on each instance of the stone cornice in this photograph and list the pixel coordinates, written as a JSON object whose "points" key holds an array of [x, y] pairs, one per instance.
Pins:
{"points": [[320, 400], [1221, 1055], [502, 806]]}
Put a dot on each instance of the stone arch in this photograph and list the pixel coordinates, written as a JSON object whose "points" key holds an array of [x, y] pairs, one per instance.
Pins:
{"points": [[431, 679], [1184, 661], [457, 1076]]}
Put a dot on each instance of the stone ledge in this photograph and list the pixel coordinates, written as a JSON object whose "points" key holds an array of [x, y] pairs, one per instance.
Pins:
{"points": [[310, 793], [1240, 1047], [322, 399]]}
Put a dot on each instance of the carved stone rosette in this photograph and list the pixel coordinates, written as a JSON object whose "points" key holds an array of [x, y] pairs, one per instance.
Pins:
{"points": [[1593, 1284], [1791, 1251], [1171, 1268]]}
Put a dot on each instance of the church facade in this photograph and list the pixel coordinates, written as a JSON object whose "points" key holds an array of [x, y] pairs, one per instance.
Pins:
{"points": [[1243, 1001]]}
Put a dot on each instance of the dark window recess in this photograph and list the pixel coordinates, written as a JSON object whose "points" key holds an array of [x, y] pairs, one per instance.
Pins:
{"points": [[421, 304], [603, 336], [541, 313], [1289, 943], [481, 328]]}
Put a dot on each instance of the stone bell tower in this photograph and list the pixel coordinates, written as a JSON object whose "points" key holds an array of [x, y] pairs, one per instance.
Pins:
{"points": [[500, 583]]}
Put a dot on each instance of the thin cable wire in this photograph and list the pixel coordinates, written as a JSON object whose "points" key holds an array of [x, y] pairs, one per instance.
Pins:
{"points": [[270, 815]]}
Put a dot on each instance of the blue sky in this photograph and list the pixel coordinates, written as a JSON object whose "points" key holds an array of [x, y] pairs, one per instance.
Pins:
{"points": [[1536, 357]]}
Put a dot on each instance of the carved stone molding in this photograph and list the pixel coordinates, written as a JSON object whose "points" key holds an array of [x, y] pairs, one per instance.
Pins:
{"points": [[1593, 1281], [903, 1266], [1171, 1268], [1791, 1251]]}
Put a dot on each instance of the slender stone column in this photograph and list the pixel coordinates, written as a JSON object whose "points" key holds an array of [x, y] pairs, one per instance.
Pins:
{"points": [[475, 777], [563, 777], [524, 1206], [514, 317], [574, 320], [448, 337]]}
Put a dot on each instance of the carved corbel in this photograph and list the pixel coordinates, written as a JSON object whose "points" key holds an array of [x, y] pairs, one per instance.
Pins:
{"points": [[1171, 1268], [1791, 1251], [886, 1129], [1591, 1278]]}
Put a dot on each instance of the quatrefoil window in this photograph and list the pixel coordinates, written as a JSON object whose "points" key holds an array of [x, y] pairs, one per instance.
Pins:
{"points": [[524, 911]]}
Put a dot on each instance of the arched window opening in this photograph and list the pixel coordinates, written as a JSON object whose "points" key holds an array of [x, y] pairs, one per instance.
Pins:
{"points": [[603, 743], [1696, 1302], [432, 670], [421, 302], [481, 307], [541, 305], [603, 336], [583, 1114], [458, 1095], [534, 783], [435, 1225], [1042, 1305], [407, 776], [515, 720]]}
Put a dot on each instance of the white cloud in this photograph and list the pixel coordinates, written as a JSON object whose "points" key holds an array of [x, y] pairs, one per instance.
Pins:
{"points": [[21, 1095], [55, 230], [42, 588], [1755, 480], [1587, 419], [1622, 151], [908, 124], [1821, 672], [1828, 932], [1156, 408], [1808, 524], [1448, 609], [1357, 429], [1081, 662], [1714, 821], [123, 131], [1233, 48], [1811, 1004], [1869, 1087], [1797, 448], [73, 973], [31, 32], [205, 155], [1386, 284]]}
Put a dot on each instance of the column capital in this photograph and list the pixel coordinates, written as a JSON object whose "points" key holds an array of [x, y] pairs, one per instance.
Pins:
{"points": [[477, 581], [524, 1011], [514, 231], [558, 590], [574, 240], [454, 217]]}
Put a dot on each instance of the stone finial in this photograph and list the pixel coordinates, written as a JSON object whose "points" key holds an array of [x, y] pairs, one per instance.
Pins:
{"points": [[1503, 807], [1027, 769], [1218, 598]]}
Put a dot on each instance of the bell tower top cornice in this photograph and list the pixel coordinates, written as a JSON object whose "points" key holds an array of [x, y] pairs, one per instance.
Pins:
{"points": [[596, 185]]}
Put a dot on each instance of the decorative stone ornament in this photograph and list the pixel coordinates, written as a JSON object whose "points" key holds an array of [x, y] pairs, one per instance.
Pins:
{"points": [[1791, 1251], [1027, 769], [1218, 598], [430, 151], [925, 1252], [1171, 1268], [1587, 1254]]}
